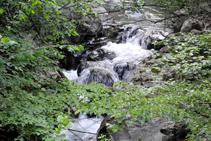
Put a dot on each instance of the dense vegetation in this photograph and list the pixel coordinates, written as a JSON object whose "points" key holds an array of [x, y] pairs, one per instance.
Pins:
{"points": [[35, 102], [32, 93]]}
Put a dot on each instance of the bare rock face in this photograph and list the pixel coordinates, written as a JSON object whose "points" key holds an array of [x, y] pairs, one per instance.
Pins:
{"points": [[197, 24], [191, 24], [145, 73], [147, 132]]}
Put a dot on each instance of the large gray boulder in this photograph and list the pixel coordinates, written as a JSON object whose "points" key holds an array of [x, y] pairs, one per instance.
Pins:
{"points": [[191, 24], [197, 23], [150, 131]]}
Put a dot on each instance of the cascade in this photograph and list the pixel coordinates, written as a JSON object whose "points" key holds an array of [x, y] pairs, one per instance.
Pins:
{"points": [[107, 65], [110, 63], [114, 61]]}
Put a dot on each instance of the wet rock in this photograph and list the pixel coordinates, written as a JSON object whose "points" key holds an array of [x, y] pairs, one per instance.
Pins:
{"points": [[135, 16], [97, 75], [112, 5], [100, 71], [123, 70], [126, 32], [156, 36], [100, 54]]}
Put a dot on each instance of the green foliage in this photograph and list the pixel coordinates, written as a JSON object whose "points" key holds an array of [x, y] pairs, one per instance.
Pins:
{"points": [[48, 21], [103, 138], [184, 102], [188, 7], [30, 93], [189, 57], [35, 101], [64, 124], [185, 99]]}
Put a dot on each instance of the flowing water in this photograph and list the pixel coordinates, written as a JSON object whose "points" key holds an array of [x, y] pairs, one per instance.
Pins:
{"points": [[111, 63], [118, 59]]}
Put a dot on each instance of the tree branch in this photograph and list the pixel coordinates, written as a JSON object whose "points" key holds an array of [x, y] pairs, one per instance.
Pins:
{"points": [[75, 135], [65, 5], [81, 131]]}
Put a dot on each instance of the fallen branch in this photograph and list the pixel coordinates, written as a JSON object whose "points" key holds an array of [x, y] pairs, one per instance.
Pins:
{"points": [[71, 130]]}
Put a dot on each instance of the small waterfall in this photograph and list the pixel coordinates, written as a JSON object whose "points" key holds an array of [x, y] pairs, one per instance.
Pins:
{"points": [[82, 116], [107, 65], [71, 75], [114, 61]]}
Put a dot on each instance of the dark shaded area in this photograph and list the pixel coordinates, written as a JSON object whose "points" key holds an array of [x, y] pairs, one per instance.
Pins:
{"points": [[103, 132], [8, 133], [178, 133]]}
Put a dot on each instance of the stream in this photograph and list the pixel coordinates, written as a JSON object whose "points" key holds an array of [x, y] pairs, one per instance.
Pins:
{"points": [[114, 62]]}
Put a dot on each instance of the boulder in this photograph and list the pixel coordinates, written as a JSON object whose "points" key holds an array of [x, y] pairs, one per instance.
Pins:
{"points": [[123, 69], [191, 24], [100, 54], [150, 131], [101, 72], [85, 129], [99, 75], [156, 36]]}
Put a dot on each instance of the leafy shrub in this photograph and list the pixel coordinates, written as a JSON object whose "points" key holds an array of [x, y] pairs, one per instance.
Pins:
{"points": [[190, 56]]}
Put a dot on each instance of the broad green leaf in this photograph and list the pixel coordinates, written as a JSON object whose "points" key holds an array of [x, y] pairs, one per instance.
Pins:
{"points": [[65, 124], [5, 39], [65, 119], [68, 126], [60, 128], [46, 16], [62, 136], [49, 139], [1, 11], [78, 111], [32, 11], [61, 56], [59, 119], [12, 42], [40, 53], [81, 47], [57, 12], [32, 58], [77, 48], [96, 15]]}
